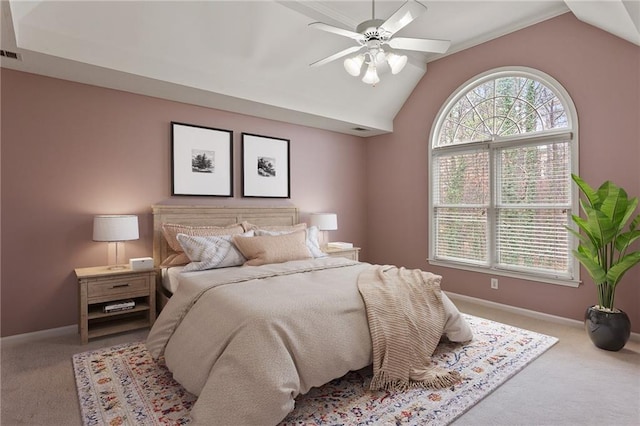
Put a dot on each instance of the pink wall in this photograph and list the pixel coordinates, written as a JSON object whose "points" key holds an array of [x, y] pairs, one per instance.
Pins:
{"points": [[70, 151], [601, 73]]}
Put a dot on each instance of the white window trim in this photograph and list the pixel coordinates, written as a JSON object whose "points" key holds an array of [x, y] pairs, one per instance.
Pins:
{"points": [[572, 119]]}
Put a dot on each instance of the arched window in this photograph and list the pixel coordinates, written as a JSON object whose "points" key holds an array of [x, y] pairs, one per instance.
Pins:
{"points": [[503, 148]]}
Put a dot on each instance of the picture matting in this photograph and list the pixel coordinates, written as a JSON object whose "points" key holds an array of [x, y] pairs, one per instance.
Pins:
{"points": [[202, 160], [265, 166]]}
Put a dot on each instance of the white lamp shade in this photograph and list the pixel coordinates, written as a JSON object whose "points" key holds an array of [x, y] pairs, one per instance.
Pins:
{"points": [[115, 228], [396, 62], [353, 65], [371, 76], [325, 221]]}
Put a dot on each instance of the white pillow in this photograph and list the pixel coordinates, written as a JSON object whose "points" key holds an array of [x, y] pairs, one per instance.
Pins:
{"points": [[211, 252], [311, 239], [456, 327]]}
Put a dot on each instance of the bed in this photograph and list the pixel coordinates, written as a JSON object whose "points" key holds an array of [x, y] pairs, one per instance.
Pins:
{"points": [[249, 339]]}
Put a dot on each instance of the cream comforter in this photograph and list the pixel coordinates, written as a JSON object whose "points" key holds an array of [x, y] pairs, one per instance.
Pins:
{"points": [[248, 340]]}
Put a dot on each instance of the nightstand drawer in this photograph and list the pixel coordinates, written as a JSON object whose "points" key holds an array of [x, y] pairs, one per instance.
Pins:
{"points": [[122, 286], [349, 253]]}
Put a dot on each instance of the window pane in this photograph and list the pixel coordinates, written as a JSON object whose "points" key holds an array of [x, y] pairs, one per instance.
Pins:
{"points": [[482, 91], [462, 178], [535, 174], [502, 107], [553, 114], [462, 234], [533, 239]]}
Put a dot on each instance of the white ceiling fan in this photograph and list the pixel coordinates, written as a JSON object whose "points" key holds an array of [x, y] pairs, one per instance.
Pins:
{"points": [[373, 35]]}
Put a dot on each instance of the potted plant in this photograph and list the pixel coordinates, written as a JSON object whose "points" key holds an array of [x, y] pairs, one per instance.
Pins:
{"points": [[603, 251]]}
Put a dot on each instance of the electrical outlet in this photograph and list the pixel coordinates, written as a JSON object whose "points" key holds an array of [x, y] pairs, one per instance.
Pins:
{"points": [[494, 283]]}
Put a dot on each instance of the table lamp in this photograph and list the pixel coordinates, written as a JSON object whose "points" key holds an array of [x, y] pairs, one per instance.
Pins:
{"points": [[325, 222], [115, 229]]}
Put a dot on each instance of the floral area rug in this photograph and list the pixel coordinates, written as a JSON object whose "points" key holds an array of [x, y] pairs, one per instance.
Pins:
{"points": [[124, 385]]}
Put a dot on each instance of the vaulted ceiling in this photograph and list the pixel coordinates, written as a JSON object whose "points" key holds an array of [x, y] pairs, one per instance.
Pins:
{"points": [[253, 57]]}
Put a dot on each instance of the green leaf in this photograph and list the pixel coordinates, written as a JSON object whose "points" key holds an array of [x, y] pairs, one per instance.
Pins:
{"points": [[589, 192], [631, 207], [625, 240], [618, 270], [582, 224], [614, 204], [602, 228], [593, 267], [583, 238]]}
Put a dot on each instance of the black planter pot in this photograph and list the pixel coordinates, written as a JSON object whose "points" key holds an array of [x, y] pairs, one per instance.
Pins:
{"points": [[607, 330]]}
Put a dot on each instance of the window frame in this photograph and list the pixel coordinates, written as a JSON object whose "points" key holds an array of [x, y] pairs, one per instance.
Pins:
{"points": [[570, 131]]}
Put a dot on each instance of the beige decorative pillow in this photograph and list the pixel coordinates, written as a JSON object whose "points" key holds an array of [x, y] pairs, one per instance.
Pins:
{"points": [[171, 231], [273, 248], [312, 239], [290, 228]]}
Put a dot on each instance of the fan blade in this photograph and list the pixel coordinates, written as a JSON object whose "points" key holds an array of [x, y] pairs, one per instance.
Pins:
{"points": [[420, 44], [335, 56], [403, 16], [336, 30]]}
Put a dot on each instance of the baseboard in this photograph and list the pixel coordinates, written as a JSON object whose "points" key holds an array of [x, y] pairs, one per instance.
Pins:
{"points": [[526, 312], [38, 335]]}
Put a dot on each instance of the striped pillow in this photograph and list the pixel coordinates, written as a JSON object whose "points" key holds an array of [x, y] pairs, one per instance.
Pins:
{"points": [[211, 252], [171, 231]]}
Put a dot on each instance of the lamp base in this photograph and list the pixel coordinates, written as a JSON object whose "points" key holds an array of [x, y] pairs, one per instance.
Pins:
{"points": [[116, 256]]}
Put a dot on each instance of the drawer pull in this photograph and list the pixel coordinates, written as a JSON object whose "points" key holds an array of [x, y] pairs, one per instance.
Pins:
{"points": [[121, 285]]}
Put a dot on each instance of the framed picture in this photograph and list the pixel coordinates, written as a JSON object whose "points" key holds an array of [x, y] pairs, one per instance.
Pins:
{"points": [[265, 166], [202, 160]]}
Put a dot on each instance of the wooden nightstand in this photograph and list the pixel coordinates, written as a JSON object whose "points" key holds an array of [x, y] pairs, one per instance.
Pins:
{"points": [[100, 286], [350, 253]]}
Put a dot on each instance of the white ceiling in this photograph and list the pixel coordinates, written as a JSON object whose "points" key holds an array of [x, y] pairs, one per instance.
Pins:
{"points": [[253, 57]]}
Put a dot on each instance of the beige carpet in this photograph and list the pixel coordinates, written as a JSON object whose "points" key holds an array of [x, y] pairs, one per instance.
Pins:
{"points": [[558, 388]]}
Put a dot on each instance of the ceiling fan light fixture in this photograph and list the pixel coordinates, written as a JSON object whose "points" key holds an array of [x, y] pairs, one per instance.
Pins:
{"points": [[396, 62], [371, 76], [372, 35], [354, 65]]}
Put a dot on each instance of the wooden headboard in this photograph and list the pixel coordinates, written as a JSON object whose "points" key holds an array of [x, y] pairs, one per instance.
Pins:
{"points": [[215, 216]]}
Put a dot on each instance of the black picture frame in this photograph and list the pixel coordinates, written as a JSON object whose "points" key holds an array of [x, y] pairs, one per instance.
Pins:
{"points": [[201, 160], [265, 167]]}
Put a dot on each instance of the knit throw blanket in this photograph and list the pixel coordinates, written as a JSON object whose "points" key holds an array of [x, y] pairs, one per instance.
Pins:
{"points": [[406, 320]]}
